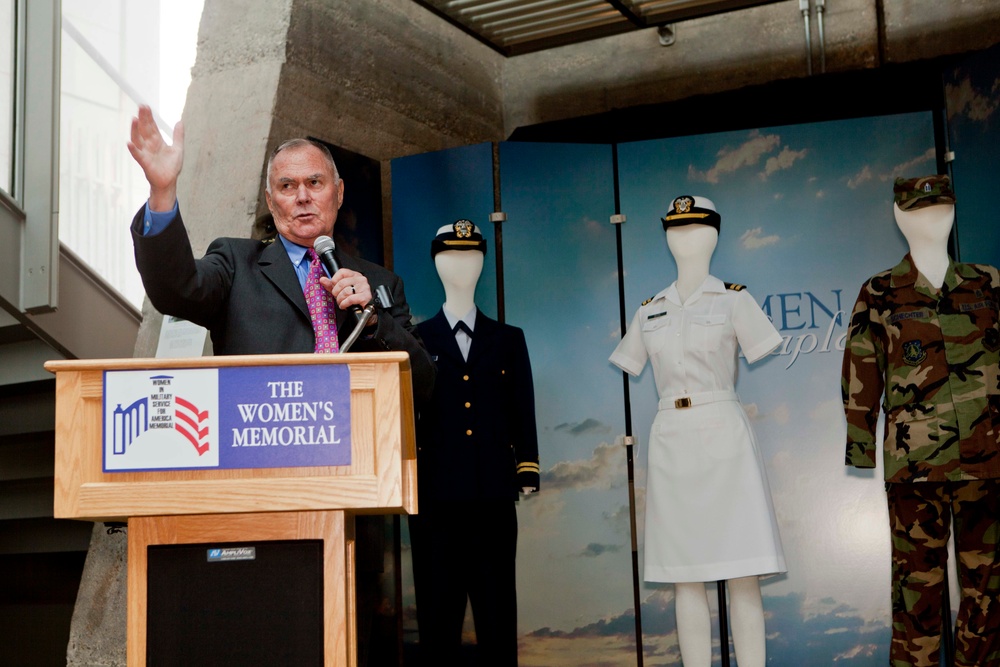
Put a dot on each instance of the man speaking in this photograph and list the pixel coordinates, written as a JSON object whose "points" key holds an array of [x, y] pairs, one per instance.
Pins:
{"points": [[273, 296]]}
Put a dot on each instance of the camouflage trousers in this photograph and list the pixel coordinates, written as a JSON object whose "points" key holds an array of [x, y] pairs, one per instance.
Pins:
{"points": [[921, 516]]}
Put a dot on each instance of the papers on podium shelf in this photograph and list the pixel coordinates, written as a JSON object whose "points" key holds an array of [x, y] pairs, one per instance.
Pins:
{"points": [[180, 338]]}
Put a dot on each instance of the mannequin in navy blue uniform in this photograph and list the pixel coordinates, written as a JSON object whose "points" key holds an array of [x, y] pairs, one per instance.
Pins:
{"points": [[477, 449]]}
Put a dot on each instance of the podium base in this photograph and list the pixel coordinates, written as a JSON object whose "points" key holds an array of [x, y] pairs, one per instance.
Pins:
{"points": [[262, 589]]}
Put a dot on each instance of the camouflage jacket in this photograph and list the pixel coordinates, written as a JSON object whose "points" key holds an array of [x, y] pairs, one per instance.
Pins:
{"points": [[929, 359]]}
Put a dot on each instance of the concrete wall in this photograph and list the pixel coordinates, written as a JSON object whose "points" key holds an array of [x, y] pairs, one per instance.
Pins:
{"points": [[919, 29], [385, 78], [227, 117], [730, 51]]}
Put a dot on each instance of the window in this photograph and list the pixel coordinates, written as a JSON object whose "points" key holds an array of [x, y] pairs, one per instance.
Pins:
{"points": [[28, 129], [8, 28], [116, 54], [71, 76]]}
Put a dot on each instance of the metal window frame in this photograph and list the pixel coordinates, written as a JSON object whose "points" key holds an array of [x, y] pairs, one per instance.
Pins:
{"points": [[29, 216], [7, 187]]}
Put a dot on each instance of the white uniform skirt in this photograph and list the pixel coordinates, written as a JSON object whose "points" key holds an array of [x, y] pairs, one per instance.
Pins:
{"points": [[709, 514]]}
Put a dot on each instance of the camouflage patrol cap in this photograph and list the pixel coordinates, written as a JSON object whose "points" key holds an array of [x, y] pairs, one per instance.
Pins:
{"points": [[688, 209], [914, 193], [459, 235]]}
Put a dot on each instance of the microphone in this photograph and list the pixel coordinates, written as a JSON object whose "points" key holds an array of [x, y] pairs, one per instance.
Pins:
{"points": [[324, 246]]}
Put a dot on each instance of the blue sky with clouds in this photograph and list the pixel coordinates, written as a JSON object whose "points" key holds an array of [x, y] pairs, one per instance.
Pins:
{"points": [[806, 218]]}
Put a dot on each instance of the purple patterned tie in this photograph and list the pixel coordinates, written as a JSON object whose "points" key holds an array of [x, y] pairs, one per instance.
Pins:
{"points": [[321, 308]]}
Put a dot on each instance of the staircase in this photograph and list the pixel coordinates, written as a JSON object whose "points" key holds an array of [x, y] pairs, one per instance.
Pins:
{"points": [[42, 558]]}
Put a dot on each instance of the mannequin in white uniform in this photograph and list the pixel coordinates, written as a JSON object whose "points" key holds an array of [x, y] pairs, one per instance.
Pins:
{"points": [[926, 231], [692, 247], [709, 515]]}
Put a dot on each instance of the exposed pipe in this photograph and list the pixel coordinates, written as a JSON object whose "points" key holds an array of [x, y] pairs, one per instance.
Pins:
{"points": [[804, 8], [820, 10]]}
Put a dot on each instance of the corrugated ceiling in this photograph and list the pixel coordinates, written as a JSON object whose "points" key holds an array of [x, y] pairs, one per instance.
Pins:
{"points": [[514, 27]]}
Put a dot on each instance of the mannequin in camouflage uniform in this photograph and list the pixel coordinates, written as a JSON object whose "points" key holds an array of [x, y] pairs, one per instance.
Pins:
{"points": [[923, 345]]}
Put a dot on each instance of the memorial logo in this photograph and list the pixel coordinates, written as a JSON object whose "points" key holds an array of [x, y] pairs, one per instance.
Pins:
{"points": [[157, 420]]}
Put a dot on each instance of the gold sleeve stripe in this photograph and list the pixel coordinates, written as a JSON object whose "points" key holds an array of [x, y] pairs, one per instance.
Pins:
{"points": [[528, 466]]}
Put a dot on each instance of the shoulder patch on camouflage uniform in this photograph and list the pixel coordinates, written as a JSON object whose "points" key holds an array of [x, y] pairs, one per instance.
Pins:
{"points": [[648, 300], [736, 287], [913, 352]]}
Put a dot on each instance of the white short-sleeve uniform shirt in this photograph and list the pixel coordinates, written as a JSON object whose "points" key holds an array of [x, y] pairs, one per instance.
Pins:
{"points": [[708, 505]]}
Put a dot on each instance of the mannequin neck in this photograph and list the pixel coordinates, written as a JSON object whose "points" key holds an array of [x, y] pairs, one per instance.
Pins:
{"points": [[458, 302], [932, 263], [926, 231], [691, 273]]}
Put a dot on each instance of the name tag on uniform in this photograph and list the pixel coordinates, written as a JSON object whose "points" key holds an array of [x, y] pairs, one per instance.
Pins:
{"points": [[909, 315], [979, 305], [654, 316]]}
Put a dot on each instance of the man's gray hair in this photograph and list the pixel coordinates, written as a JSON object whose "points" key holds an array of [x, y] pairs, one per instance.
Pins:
{"points": [[301, 143]]}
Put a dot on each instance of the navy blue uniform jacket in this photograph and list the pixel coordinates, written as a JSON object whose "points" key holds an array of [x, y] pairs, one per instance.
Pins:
{"points": [[479, 428]]}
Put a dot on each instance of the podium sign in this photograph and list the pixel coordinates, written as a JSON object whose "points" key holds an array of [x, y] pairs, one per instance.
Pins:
{"points": [[377, 471], [241, 449], [243, 417]]}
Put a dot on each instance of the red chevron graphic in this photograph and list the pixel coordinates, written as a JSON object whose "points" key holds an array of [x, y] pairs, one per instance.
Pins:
{"points": [[191, 417], [200, 416]]}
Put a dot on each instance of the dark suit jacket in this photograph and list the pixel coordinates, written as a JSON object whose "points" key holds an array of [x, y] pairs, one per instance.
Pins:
{"points": [[246, 293], [480, 423]]}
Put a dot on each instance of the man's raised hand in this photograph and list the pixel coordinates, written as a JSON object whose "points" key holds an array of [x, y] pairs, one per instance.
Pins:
{"points": [[160, 162]]}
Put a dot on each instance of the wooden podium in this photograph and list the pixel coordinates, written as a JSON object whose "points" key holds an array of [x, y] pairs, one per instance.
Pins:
{"points": [[195, 506]]}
